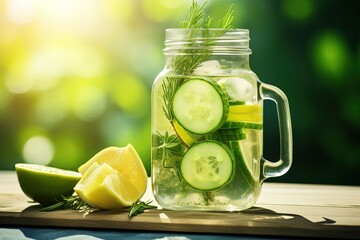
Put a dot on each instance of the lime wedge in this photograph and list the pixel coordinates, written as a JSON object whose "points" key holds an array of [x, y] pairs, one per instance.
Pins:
{"points": [[45, 184]]}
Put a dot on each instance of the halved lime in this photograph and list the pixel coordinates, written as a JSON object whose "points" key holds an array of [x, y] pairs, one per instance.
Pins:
{"points": [[45, 184]]}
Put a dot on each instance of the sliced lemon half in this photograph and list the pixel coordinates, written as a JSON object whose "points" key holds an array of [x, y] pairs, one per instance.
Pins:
{"points": [[114, 178]]}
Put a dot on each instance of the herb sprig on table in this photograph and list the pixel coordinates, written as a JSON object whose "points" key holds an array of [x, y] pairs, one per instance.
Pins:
{"points": [[139, 207], [76, 203], [72, 202]]}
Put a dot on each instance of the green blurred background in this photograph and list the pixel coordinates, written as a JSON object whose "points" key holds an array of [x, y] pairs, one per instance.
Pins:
{"points": [[76, 77]]}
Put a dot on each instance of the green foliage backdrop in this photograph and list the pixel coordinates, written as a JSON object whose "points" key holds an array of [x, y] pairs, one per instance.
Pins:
{"points": [[76, 77]]}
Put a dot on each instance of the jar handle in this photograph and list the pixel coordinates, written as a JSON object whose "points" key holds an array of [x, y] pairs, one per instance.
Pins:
{"points": [[279, 168]]}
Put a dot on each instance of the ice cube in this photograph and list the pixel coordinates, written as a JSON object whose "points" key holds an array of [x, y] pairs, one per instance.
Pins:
{"points": [[211, 67], [238, 89]]}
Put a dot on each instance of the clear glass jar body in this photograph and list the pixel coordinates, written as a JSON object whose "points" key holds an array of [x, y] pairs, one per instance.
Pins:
{"points": [[222, 60]]}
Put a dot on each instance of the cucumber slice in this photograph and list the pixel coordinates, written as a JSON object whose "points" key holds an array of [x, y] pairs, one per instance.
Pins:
{"points": [[207, 165], [252, 125], [233, 102], [200, 106], [227, 135], [243, 160]]}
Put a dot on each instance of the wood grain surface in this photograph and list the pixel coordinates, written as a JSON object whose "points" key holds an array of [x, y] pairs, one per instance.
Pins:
{"points": [[300, 210]]}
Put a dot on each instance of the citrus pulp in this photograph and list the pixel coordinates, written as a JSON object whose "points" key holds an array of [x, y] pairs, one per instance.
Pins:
{"points": [[113, 178]]}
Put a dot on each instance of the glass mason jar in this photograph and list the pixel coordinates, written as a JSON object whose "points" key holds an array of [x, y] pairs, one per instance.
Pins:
{"points": [[207, 123]]}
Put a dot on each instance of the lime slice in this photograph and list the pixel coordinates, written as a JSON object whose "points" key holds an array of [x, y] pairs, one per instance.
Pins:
{"points": [[245, 113], [45, 184], [245, 117], [183, 134], [114, 178], [245, 109]]}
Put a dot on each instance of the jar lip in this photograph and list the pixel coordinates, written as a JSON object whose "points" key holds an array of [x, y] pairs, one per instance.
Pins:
{"points": [[189, 41], [181, 33], [211, 29]]}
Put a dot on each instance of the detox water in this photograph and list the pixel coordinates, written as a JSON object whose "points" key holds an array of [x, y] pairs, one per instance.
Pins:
{"points": [[243, 140], [207, 123]]}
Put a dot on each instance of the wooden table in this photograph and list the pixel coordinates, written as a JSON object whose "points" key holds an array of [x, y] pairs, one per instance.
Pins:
{"points": [[293, 210]]}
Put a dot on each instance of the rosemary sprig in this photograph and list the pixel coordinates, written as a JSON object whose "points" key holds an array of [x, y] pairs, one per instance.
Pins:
{"points": [[171, 151], [139, 207], [226, 21], [196, 16], [186, 64], [72, 202], [183, 65], [169, 87], [208, 197], [170, 145]]}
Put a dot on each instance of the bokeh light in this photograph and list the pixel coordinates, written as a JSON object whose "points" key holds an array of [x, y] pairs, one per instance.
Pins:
{"points": [[300, 11], [38, 150], [161, 10], [21, 11], [330, 56], [130, 94]]}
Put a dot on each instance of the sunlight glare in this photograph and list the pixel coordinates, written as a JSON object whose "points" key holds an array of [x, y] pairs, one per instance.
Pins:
{"points": [[21, 11], [16, 81], [38, 150], [89, 103]]}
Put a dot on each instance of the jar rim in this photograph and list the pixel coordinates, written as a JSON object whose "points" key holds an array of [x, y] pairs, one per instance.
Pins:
{"points": [[212, 29], [211, 32], [197, 40]]}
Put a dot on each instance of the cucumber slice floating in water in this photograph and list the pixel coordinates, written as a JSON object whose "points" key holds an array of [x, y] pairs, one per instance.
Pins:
{"points": [[226, 135], [200, 106], [235, 125], [207, 165]]}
